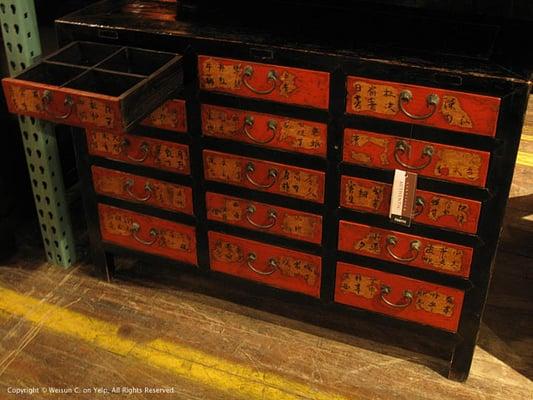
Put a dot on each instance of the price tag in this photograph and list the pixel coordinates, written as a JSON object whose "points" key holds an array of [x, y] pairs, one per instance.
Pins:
{"points": [[403, 197]]}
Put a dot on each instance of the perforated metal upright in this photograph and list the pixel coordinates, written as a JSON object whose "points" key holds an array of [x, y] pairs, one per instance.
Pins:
{"points": [[22, 45]]}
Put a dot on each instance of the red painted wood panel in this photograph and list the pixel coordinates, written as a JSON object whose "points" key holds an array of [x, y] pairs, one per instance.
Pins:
{"points": [[142, 190], [264, 217], [88, 110], [266, 130], [433, 209], [450, 163], [455, 111], [267, 176], [148, 234], [270, 265], [139, 150], [411, 250], [264, 81], [430, 304], [171, 116]]}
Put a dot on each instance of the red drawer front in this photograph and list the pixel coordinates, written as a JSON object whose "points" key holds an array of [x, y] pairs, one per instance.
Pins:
{"points": [[264, 217], [399, 297], [140, 150], [265, 176], [148, 234], [447, 109], [438, 161], [264, 81], [264, 129], [171, 116], [143, 190], [63, 105], [430, 209], [273, 266], [407, 249]]}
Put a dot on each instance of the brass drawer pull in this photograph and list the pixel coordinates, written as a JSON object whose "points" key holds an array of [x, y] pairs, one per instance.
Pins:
{"points": [[402, 147], [272, 174], [271, 125], [272, 217], [415, 249], [272, 264], [68, 103], [128, 185], [135, 228], [144, 147], [271, 77], [419, 206], [407, 295], [432, 102]]}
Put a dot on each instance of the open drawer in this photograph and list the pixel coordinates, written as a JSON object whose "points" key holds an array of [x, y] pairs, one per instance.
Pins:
{"points": [[95, 85]]}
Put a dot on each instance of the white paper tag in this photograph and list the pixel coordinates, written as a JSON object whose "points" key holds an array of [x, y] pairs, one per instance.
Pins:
{"points": [[403, 197]]}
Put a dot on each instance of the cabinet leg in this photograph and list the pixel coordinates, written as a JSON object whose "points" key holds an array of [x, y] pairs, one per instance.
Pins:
{"points": [[461, 360], [104, 265]]}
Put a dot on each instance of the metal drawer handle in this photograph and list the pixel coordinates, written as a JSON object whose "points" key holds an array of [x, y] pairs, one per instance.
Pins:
{"points": [[271, 125], [419, 206], [432, 101], [415, 249], [68, 103], [272, 217], [271, 263], [144, 147], [135, 228], [407, 295], [271, 77], [128, 185], [272, 175], [402, 147]]}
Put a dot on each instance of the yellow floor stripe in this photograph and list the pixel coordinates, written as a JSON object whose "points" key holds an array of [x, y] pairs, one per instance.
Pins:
{"points": [[222, 375], [525, 159], [527, 138]]}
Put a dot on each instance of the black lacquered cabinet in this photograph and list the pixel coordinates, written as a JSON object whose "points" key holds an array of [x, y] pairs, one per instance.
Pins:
{"points": [[271, 169]]}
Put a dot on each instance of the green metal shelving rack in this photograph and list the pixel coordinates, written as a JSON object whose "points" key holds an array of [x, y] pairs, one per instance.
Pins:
{"points": [[22, 46]]}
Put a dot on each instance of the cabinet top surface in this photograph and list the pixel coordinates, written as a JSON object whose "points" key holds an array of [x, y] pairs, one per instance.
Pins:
{"points": [[368, 37]]}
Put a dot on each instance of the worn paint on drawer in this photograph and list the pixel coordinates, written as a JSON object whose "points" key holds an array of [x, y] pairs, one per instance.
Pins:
{"points": [[411, 250], [142, 190], [266, 130], [399, 297], [139, 150], [267, 176], [446, 109], [171, 116], [264, 217], [433, 209], [264, 81], [147, 234], [271, 265], [63, 105], [450, 163]]}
